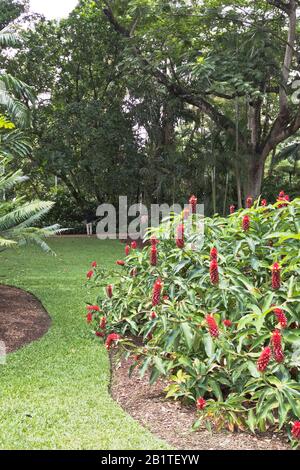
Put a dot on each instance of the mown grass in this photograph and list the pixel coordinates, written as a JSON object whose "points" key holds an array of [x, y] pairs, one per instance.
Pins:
{"points": [[54, 392]]}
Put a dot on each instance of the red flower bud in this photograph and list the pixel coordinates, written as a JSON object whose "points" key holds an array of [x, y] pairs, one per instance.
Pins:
{"points": [[153, 240], [94, 264], [276, 346], [157, 288], [232, 209], [276, 279], [153, 255], [264, 359], [214, 272], [227, 323], [296, 430], [280, 315], [112, 338], [246, 223], [103, 323], [180, 236], [89, 274], [127, 250], [100, 334], [264, 202], [109, 291], [212, 326], [249, 202], [134, 245], [153, 315], [120, 262], [283, 198], [94, 308], [201, 403], [193, 203], [213, 254], [89, 317]]}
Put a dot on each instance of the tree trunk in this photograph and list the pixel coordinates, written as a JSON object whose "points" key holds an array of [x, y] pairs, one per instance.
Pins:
{"points": [[255, 176]]}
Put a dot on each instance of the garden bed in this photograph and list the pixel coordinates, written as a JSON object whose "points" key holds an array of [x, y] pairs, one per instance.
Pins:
{"points": [[172, 421], [22, 318]]}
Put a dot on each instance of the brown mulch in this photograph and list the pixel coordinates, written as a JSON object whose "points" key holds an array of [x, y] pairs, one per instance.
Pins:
{"points": [[23, 319], [172, 421]]}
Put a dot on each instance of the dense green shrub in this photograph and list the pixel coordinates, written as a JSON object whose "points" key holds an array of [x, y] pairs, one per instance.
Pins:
{"points": [[225, 327]]}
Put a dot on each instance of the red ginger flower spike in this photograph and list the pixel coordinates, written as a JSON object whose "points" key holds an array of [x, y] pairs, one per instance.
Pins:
{"points": [[264, 202], [109, 291], [134, 245], [157, 288], [100, 334], [214, 272], [232, 209], [94, 308], [120, 262], [112, 338], [89, 317], [264, 359], [89, 274], [153, 240], [94, 264], [227, 323], [153, 315], [284, 198], [213, 253], [180, 236], [249, 202], [103, 323], [280, 315], [153, 255], [212, 326], [246, 223], [277, 346], [193, 203], [276, 280], [127, 250], [201, 403], [296, 430]]}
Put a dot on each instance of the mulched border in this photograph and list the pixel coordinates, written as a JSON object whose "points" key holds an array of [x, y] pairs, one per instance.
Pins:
{"points": [[172, 421], [23, 318]]}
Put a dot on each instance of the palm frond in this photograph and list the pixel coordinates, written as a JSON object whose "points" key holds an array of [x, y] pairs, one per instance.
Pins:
{"points": [[19, 217], [14, 143], [8, 39], [9, 181]]}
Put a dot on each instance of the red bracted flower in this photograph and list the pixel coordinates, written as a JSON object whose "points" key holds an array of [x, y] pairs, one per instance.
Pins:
{"points": [[134, 245], [112, 338], [227, 323], [100, 334], [249, 202], [153, 240], [180, 236], [193, 203], [89, 317], [280, 315], [246, 223], [109, 291], [127, 250], [103, 323], [157, 287], [133, 272], [296, 430], [277, 346], [94, 264], [120, 262], [212, 326], [232, 209], [166, 297], [213, 254], [264, 202], [201, 403], [264, 359], [276, 280], [214, 272], [153, 255], [93, 308], [284, 198], [89, 274], [153, 315]]}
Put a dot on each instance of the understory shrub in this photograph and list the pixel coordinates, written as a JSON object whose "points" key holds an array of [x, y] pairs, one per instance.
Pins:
{"points": [[218, 315]]}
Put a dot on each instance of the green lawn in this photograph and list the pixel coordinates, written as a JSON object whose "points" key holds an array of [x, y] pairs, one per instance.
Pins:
{"points": [[54, 392]]}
